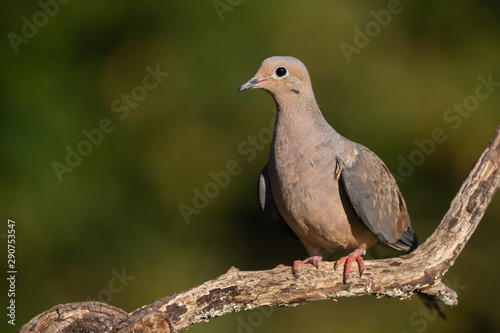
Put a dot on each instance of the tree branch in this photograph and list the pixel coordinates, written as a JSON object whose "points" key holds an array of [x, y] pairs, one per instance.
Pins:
{"points": [[420, 271]]}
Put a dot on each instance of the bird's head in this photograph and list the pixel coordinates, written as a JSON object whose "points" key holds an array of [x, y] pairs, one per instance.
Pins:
{"points": [[280, 76]]}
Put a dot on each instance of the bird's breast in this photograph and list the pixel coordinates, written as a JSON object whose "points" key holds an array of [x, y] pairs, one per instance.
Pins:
{"points": [[308, 195]]}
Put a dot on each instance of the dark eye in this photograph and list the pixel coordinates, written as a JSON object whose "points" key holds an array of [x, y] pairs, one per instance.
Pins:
{"points": [[280, 71]]}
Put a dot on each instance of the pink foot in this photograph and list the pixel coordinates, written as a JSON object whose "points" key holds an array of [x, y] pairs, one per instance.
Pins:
{"points": [[312, 260], [348, 260]]}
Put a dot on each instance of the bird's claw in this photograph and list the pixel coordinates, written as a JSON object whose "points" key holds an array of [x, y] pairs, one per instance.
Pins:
{"points": [[348, 260], [312, 260]]}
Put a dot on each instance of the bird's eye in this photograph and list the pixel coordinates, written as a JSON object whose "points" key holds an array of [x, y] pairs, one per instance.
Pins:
{"points": [[280, 71]]}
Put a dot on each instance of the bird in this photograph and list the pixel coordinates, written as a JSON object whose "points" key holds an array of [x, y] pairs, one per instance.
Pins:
{"points": [[320, 187]]}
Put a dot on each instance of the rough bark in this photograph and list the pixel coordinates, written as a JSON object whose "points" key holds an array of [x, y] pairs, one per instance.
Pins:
{"points": [[421, 271]]}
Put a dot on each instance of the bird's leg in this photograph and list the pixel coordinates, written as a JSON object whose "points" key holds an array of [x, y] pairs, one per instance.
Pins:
{"points": [[348, 260], [311, 260]]}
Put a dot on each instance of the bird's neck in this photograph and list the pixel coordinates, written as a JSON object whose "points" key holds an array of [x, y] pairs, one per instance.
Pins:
{"points": [[301, 134], [299, 119]]}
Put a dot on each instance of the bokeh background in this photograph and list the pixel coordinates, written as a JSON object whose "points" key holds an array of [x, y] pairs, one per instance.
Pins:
{"points": [[117, 211]]}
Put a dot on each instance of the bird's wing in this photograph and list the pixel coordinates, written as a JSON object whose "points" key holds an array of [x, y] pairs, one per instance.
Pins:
{"points": [[376, 199], [271, 213]]}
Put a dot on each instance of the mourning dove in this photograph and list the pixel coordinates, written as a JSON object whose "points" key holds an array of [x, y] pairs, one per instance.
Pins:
{"points": [[318, 186]]}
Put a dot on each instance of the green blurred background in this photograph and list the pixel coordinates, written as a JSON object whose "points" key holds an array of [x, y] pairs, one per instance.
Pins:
{"points": [[118, 210]]}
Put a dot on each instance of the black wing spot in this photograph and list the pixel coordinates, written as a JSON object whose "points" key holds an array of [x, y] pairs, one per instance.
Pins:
{"points": [[295, 91], [400, 201]]}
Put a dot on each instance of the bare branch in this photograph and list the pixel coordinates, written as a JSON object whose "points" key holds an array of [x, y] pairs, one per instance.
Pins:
{"points": [[421, 271]]}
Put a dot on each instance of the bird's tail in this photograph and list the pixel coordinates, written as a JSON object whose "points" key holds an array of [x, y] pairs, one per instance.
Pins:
{"points": [[432, 304]]}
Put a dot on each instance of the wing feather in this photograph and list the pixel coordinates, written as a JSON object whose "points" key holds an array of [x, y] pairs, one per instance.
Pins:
{"points": [[376, 198], [271, 213]]}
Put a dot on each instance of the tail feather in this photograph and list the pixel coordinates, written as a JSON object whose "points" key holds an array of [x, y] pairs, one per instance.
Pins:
{"points": [[431, 304]]}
